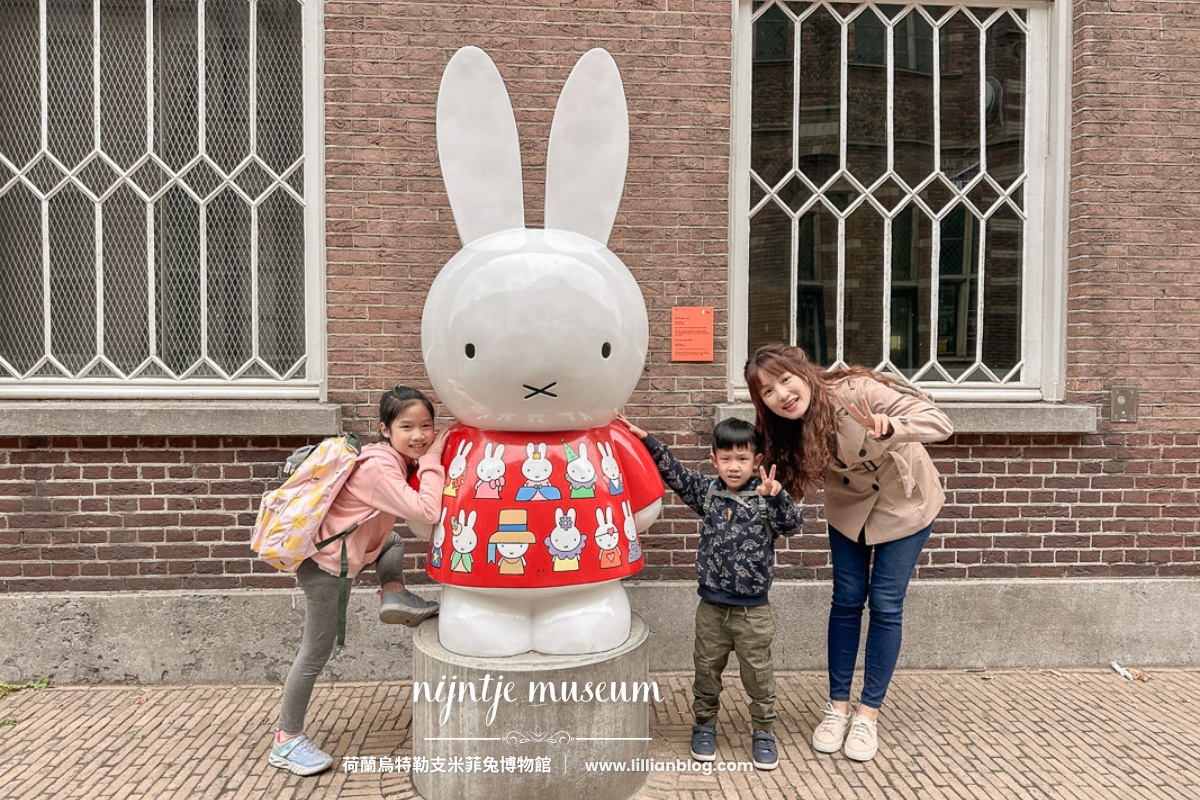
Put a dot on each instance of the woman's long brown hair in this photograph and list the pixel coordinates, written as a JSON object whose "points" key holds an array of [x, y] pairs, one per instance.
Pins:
{"points": [[802, 449]]}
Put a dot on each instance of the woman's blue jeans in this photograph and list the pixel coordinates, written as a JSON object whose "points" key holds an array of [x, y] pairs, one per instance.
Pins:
{"points": [[874, 576]]}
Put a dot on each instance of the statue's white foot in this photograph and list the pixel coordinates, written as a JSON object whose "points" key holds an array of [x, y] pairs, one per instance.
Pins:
{"points": [[486, 625], [587, 619]]}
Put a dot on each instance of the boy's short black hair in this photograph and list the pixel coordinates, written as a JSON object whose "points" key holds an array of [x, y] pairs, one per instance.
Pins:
{"points": [[733, 433]]}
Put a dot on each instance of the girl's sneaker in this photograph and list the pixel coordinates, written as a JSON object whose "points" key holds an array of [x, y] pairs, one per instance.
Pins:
{"points": [[300, 755], [405, 608], [830, 734], [863, 741]]}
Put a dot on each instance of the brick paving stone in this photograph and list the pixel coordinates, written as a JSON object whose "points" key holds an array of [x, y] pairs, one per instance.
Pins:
{"points": [[1041, 734]]}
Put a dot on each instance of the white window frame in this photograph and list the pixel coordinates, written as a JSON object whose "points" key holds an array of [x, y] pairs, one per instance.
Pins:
{"points": [[1044, 280], [313, 386]]}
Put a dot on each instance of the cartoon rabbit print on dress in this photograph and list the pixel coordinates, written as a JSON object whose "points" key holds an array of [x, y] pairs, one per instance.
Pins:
{"points": [[534, 339]]}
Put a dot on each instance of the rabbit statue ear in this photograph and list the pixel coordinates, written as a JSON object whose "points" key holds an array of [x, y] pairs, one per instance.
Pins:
{"points": [[588, 150], [478, 147]]}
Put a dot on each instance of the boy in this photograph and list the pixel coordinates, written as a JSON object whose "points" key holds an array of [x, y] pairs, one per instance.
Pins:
{"points": [[743, 511]]}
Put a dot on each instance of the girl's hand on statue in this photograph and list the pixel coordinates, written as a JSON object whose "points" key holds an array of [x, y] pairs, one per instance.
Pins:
{"points": [[439, 443], [769, 486], [634, 429], [878, 425]]}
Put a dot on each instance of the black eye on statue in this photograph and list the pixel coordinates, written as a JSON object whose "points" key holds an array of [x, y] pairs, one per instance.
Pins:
{"points": [[470, 349], [606, 350]]}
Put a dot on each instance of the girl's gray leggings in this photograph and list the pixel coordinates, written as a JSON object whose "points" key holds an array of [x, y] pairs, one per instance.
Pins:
{"points": [[320, 629]]}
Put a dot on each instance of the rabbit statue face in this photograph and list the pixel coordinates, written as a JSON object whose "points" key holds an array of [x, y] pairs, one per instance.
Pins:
{"points": [[439, 532], [580, 471], [491, 466], [463, 537], [565, 536], [534, 330]]}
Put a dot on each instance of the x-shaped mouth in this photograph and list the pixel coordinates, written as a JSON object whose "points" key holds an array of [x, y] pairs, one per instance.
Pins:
{"points": [[534, 391]]}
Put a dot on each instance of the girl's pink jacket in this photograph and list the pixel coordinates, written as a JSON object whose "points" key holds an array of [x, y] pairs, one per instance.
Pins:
{"points": [[379, 483]]}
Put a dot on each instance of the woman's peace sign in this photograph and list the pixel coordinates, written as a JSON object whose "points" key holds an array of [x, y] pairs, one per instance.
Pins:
{"points": [[878, 425]]}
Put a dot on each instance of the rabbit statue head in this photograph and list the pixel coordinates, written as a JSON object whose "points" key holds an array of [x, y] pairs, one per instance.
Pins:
{"points": [[532, 329]]}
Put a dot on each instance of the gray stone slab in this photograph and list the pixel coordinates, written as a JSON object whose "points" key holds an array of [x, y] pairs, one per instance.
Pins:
{"points": [[969, 417], [170, 418], [251, 637]]}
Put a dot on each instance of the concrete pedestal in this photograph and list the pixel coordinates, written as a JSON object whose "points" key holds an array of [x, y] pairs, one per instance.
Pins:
{"points": [[525, 726]]}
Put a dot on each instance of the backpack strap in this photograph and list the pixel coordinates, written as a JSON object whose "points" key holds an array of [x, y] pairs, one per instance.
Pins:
{"points": [[343, 578], [709, 495]]}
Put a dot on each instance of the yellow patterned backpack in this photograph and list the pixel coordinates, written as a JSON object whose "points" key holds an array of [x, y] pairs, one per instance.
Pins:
{"points": [[290, 516]]}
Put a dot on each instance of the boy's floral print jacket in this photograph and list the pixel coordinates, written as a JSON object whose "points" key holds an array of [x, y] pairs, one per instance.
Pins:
{"points": [[736, 556]]}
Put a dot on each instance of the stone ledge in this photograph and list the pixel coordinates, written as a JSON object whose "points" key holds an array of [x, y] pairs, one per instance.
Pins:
{"points": [[174, 637], [985, 417], [169, 418]]}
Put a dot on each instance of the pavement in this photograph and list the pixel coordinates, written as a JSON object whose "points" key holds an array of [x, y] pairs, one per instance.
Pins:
{"points": [[1041, 733]]}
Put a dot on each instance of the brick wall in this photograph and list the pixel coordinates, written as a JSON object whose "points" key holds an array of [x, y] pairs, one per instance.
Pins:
{"points": [[110, 513], [126, 513]]}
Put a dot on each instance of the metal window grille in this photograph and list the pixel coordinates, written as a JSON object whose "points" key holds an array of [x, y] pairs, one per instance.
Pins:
{"points": [[890, 147], [152, 199]]}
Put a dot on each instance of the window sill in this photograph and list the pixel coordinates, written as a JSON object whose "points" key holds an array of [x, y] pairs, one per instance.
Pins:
{"points": [[985, 417], [169, 418]]}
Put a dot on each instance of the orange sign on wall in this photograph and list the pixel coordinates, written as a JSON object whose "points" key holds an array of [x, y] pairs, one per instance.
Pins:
{"points": [[692, 333]]}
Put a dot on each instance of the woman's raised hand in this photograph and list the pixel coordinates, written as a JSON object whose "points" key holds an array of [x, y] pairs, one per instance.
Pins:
{"points": [[878, 425]]}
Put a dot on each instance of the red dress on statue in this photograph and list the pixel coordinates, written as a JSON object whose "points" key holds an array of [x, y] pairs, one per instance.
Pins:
{"points": [[512, 525]]}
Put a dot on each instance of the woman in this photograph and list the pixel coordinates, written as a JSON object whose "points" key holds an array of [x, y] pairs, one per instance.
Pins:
{"points": [[849, 432]]}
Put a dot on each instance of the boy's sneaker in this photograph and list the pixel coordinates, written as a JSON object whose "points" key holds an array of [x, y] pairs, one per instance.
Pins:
{"points": [[863, 741], [766, 756], [831, 733], [704, 742], [300, 755], [405, 608]]}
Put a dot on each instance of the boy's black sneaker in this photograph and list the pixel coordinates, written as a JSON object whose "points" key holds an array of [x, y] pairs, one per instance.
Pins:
{"points": [[704, 742], [763, 747]]}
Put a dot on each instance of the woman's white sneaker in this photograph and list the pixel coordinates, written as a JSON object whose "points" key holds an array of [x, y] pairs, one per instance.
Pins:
{"points": [[862, 743], [829, 735]]}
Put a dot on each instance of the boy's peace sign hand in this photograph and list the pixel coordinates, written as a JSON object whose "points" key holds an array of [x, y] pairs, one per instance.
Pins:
{"points": [[878, 425], [769, 486]]}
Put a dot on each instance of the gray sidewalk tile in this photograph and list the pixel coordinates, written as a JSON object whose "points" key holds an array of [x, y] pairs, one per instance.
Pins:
{"points": [[944, 735]]}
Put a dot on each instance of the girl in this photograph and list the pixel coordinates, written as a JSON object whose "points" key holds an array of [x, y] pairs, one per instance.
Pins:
{"points": [[376, 493], [849, 432]]}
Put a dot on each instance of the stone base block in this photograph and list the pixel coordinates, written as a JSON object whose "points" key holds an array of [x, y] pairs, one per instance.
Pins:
{"points": [[528, 726]]}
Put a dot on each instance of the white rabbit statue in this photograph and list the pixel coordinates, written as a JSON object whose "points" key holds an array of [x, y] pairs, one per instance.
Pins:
{"points": [[534, 339]]}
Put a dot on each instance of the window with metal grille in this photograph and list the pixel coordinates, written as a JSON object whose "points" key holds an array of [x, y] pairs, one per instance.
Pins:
{"points": [[153, 230], [892, 186]]}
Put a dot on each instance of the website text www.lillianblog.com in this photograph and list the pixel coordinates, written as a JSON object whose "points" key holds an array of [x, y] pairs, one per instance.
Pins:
{"points": [[678, 765]]}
